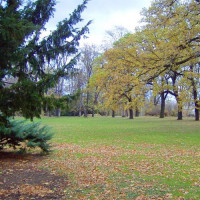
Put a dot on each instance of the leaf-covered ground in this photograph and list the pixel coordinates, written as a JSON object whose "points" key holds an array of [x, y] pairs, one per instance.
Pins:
{"points": [[105, 158], [21, 178]]}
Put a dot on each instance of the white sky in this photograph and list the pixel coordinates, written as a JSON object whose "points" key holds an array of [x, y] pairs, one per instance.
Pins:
{"points": [[105, 14]]}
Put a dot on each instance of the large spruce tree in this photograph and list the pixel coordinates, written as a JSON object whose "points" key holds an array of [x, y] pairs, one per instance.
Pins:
{"points": [[28, 65], [26, 59]]}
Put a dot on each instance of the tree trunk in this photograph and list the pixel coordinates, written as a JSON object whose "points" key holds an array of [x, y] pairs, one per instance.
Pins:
{"points": [[180, 113], [196, 102], [95, 103], [155, 101], [162, 108], [137, 112], [123, 113], [126, 113], [93, 112], [80, 106], [180, 107], [196, 110], [130, 113], [113, 113], [85, 113], [58, 112], [87, 105]]}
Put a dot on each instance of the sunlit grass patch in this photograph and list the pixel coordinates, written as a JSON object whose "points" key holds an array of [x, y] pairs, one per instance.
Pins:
{"points": [[107, 158]]}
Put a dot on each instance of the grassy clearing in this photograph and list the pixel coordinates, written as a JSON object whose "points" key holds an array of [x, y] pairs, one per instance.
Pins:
{"points": [[144, 158]]}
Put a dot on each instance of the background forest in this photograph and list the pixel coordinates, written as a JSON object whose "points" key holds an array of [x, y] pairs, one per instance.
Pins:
{"points": [[153, 71]]}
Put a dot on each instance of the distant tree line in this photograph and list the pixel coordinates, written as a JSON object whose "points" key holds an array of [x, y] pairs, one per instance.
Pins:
{"points": [[154, 71]]}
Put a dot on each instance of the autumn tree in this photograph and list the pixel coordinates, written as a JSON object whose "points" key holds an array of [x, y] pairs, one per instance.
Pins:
{"points": [[194, 77], [170, 41], [119, 77], [160, 88]]}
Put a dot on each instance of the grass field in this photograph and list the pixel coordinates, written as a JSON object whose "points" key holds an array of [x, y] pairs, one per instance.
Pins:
{"points": [[118, 158]]}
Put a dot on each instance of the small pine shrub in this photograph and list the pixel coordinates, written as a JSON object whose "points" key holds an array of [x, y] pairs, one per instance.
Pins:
{"points": [[18, 133]]}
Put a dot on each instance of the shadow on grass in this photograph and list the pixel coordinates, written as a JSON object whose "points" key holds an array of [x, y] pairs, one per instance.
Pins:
{"points": [[22, 177]]}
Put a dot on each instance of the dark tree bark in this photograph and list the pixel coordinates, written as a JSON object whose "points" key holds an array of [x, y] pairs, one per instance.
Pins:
{"points": [[180, 108], [123, 113], [113, 113], [163, 97], [180, 115], [155, 101], [80, 106], [87, 106], [176, 95], [196, 112], [137, 112], [195, 97], [196, 103], [130, 113]]}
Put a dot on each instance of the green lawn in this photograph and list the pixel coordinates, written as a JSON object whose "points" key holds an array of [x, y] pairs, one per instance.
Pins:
{"points": [[118, 158]]}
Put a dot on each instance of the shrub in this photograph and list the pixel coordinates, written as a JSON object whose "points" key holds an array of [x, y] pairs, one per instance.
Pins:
{"points": [[18, 133]]}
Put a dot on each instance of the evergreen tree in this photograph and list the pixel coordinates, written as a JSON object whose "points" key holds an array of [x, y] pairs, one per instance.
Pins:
{"points": [[25, 135], [25, 57]]}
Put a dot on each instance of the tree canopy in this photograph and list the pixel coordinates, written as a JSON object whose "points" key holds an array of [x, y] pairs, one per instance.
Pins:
{"points": [[163, 53]]}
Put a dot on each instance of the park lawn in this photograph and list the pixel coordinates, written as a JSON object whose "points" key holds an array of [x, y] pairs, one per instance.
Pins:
{"points": [[118, 158]]}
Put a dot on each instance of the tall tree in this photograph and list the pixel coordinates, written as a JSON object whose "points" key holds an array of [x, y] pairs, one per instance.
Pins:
{"points": [[118, 77], [25, 56], [193, 75], [168, 40], [88, 54]]}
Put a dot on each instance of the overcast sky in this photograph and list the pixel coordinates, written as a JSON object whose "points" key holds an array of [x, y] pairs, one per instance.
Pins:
{"points": [[105, 14]]}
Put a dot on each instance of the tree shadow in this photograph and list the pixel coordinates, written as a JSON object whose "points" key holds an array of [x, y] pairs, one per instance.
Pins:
{"points": [[9, 156], [23, 176]]}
